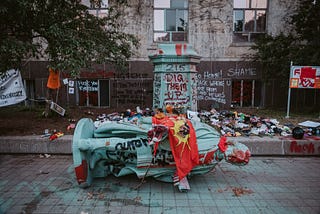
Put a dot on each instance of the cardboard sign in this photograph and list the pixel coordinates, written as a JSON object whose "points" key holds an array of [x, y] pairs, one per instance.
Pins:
{"points": [[55, 107]]}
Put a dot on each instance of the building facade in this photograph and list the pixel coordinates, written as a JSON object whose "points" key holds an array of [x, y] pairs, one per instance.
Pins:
{"points": [[221, 32]]}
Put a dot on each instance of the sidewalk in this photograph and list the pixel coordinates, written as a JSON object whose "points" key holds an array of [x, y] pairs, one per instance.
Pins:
{"points": [[279, 146], [273, 185]]}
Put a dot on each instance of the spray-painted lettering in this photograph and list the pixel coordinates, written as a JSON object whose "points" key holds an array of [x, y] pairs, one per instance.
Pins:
{"points": [[237, 72], [176, 89], [132, 144], [302, 148]]}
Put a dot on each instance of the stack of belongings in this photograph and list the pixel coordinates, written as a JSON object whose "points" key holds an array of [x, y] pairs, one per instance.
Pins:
{"points": [[234, 124]]}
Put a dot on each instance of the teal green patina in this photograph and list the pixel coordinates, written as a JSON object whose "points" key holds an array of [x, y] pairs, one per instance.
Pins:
{"points": [[122, 148]]}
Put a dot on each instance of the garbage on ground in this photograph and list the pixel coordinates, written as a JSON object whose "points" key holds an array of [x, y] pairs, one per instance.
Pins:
{"points": [[46, 133], [235, 124], [313, 128], [72, 124], [44, 156], [297, 132], [229, 123], [56, 135]]}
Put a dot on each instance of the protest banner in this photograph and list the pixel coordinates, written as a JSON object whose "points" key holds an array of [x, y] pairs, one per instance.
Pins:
{"points": [[11, 88]]}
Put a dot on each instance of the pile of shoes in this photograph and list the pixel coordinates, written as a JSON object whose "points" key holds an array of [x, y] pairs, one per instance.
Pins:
{"points": [[229, 123], [234, 124], [126, 116]]}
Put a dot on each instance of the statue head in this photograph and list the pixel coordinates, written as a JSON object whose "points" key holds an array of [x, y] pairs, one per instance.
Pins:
{"points": [[234, 152]]}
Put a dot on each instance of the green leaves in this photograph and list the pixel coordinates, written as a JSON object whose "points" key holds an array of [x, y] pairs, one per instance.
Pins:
{"points": [[301, 45], [71, 38]]}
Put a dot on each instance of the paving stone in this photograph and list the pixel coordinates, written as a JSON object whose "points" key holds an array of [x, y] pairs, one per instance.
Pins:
{"points": [[265, 185]]}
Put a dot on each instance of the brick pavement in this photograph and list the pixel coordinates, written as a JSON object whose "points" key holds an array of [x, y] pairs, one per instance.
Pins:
{"points": [[30, 184]]}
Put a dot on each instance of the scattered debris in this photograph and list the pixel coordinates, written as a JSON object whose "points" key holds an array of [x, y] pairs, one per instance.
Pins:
{"points": [[229, 123], [137, 199], [220, 191], [238, 191], [42, 172], [44, 156], [89, 112], [72, 124], [92, 195], [56, 135], [234, 124]]}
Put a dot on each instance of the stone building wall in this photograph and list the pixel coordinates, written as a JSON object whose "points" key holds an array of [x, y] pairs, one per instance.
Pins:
{"points": [[223, 65]]}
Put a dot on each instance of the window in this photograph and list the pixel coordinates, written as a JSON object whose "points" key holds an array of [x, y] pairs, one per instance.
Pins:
{"points": [[170, 20], [94, 92], [249, 18], [97, 7], [246, 93]]}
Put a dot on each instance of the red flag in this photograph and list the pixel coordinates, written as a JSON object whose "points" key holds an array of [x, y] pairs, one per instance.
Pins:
{"points": [[183, 143]]}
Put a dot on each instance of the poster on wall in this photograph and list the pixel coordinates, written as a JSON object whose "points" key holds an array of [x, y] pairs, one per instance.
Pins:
{"points": [[302, 77], [11, 88], [305, 77], [71, 90]]}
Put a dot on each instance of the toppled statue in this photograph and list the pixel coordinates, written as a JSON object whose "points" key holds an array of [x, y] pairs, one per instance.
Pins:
{"points": [[167, 147]]}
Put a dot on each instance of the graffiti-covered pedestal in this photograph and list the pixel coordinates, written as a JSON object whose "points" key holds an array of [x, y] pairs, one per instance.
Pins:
{"points": [[175, 76]]}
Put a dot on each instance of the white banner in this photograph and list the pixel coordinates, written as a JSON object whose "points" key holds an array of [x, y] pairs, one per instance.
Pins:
{"points": [[11, 88]]}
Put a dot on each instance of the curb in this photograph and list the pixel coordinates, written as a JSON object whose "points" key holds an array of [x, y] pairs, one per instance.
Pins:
{"points": [[35, 144], [286, 146], [282, 146]]}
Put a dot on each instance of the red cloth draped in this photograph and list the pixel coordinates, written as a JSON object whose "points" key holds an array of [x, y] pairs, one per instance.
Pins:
{"points": [[184, 147]]}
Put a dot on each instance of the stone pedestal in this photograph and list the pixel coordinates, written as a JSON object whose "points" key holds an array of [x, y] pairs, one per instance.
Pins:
{"points": [[175, 77]]}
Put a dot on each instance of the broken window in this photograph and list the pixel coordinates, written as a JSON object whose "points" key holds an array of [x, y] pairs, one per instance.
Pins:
{"points": [[249, 19], [170, 20]]}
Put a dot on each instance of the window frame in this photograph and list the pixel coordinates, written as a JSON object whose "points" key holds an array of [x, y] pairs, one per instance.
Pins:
{"points": [[100, 10], [257, 28], [180, 30]]}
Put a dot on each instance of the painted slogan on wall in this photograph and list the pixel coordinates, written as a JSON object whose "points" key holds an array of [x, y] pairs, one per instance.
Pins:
{"points": [[212, 87], [216, 85]]}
